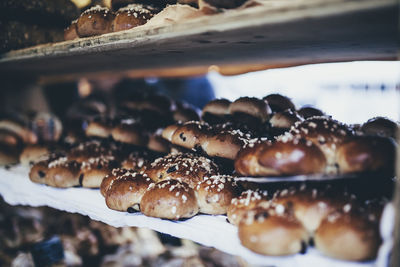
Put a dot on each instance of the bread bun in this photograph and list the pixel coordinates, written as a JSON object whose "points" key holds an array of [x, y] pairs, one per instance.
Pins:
{"points": [[279, 102], [93, 170], [130, 132], [247, 200], [272, 232], [96, 20], [187, 168], [214, 194], [131, 16], [109, 178], [158, 143], [99, 128], [324, 132], [282, 121], [33, 153], [126, 191], [18, 128], [190, 135], [380, 126], [288, 157], [70, 33], [250, 109], [349, 235], [169, 199], [308, 112], [224, 144], [184, 113], [216, 111], [367, 153], [91, 149], [137, 160], [169, 131]]}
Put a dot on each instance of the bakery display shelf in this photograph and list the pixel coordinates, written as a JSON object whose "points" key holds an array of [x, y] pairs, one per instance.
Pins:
{"points": [[277, 33], [213, 231]]}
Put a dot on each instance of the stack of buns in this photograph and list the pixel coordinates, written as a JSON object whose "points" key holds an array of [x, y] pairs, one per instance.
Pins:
{"points": [[144, 160]]}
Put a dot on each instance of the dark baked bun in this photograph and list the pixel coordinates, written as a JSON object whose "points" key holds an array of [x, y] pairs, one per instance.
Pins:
{"points": [[250, 110], [130, 132], [380, 126], [190, 135], [216, 111], [282, 121], [224, 144], [308, 112], [126, 191], [273, 232], [349, 235], [92, 149], [288, 157], [21, 130], [132, 16], [96, 20], [279, 102], [214, 194], [324, 132], [247, 200], [186, 168], [70, 33], [367, 153], [109, 178], [169, 199]]}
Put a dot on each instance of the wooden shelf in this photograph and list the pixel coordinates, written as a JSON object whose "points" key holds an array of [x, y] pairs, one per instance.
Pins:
{"points": [[281, 33]]}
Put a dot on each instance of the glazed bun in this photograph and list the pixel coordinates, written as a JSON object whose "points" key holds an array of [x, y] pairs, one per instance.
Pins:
{"points": [[19, 129], [308, 112], [184, 113], [158, 144], [126, 191], [350, 235], [250, 110], [283, 157], [137, 160], [109, 178], [215, 194], [169, 199], [367, 153], [247, 200], [96, 20], [33, 153], [99, 128], [70, 33], [93, 170], [131, 16], [190, 135], [224, 144], [380, 126], [279, 102], [282, 121], [216, 111], [272, 232], [324, 132], [184, 167]]}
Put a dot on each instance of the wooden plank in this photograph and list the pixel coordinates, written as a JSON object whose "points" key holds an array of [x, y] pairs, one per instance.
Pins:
{"points": [[287, 33]]}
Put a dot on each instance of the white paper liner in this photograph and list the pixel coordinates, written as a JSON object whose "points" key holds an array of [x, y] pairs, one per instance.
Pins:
{"points": [[212, 231]]}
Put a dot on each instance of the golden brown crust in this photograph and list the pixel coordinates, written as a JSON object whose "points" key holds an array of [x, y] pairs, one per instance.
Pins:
{"points": [[95, 21], [214, 194], [308, 112], [216, 111], [367, 153], [137, 160], [158, 144], [130, 133], [132, 16], [169, 199], [272, 232], [168, 131], [289, 157], [126, 191], [100, 129], [95, 169], [33, 153], [349, 236]]}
